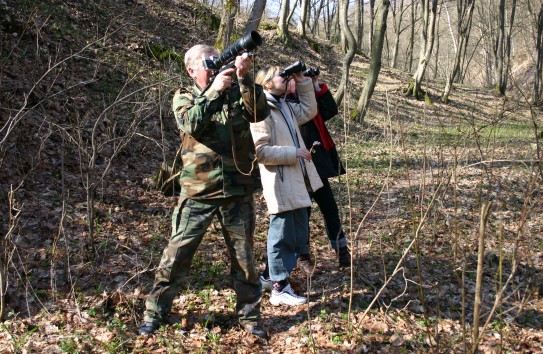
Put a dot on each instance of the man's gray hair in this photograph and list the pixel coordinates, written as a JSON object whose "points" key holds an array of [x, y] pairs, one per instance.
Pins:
{"points": [[193, 56]]}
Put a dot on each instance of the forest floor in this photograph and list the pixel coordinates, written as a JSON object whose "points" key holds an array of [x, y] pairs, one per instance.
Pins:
{"points": [[418, 174]]}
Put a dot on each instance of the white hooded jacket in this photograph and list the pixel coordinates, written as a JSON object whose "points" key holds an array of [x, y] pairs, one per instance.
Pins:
{"points": [[282, 173]]}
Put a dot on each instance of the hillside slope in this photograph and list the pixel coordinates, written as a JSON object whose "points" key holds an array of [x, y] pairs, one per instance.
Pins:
{"points": [[85, 94]]}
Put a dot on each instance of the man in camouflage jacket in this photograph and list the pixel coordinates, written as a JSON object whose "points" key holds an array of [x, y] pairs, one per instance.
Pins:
{"points": [[218, 178]]}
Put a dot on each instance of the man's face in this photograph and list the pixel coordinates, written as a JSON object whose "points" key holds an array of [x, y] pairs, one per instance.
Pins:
{"points": [[198, 72]]}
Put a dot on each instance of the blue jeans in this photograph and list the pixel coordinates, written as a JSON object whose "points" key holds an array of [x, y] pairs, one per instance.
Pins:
{"points": [[288, 238]]}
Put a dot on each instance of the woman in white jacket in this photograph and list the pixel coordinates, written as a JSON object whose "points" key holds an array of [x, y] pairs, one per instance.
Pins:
{"points": [[288, 175]]}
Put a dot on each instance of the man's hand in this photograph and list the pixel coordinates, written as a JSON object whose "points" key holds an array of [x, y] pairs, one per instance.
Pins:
{"points": [[223, 80], [243, 64]]}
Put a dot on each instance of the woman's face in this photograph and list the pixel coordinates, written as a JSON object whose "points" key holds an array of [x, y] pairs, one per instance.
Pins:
{"points": [[277, 85]]}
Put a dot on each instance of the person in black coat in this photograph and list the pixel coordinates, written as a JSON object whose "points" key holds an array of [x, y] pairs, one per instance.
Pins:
{"points": [[318, 140]]}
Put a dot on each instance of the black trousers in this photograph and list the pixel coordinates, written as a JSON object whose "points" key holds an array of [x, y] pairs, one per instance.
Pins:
{"points": [[324, 197]]}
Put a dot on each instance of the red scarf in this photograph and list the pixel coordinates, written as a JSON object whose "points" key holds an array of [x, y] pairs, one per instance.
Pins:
{"points": [[326, 139]]}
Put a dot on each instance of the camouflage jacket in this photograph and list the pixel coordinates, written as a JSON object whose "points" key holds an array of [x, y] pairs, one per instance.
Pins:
{"points": [[212, 126]]}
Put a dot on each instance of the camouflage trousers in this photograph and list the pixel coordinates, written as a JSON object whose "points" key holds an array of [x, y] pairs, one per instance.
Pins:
{"points": [[190, 222]]}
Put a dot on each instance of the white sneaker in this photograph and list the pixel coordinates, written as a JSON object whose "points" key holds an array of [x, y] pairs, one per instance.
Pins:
{"points": [[286, 297], [267, 284]]}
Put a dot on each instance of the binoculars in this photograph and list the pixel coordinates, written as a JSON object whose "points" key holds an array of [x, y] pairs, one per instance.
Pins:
{"points": [[297, 67], [292, 68]]}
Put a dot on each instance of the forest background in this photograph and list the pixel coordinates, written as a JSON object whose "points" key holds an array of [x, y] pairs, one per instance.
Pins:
{"points": [[439, 131]]}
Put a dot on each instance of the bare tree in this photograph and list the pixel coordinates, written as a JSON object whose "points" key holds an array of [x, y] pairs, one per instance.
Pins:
{"points": [[282, 23], [502, 47], [229, 11], [429, 12], [397, 15], [538, 90], [375, 64], [370, 29], [348, 59], [359, 23], [464, 10], [256, 15], [302, 23]]}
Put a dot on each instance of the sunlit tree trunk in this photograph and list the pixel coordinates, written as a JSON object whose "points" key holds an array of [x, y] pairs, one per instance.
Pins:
{"points": [[315, 28], [539, 59], [437, 42], [256, 15], [282, 24], [375, 63], [370, 25], [343, 12], [302, 23], [427, 32], [411, 46], [397, 15], [229, 10], [359, 23], [465, 14]]}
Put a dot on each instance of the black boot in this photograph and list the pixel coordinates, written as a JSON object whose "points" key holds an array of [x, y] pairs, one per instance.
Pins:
{"points": [[344, 257], [147, 328]]}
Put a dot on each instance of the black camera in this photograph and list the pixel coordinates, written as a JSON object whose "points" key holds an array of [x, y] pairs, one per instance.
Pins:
{"points": [[245, 44], [312, 72], [293, 68]]}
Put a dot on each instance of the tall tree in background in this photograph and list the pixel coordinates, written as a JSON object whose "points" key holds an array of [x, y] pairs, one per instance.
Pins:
{"points": [[351, 46], [427, 32], [538, 89], [502, 47], [397, 15], [410, 48], [371, 24], [302, 23], [256, 15], [464, 9], [359, 23], [282, 23], [375, 62], [229, 10]]}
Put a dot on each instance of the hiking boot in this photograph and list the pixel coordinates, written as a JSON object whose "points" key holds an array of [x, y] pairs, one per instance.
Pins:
{"points": [[344, 257], [306, 263], [147, 328], [267, 284], [255, 329], [286, 297]]}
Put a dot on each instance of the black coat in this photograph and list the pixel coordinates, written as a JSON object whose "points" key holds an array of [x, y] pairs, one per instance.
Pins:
{"points": [[327, 163]]}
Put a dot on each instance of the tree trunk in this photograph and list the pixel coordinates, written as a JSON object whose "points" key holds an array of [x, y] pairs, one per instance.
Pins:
{"points": [[429, 10], [229, 10], [411, 46], [507, 54], [371, 24], [375, 63], [335, 25], [539, 59], [359, 23], [397, 15], [282, 24], [302, 23], [465, 15], [2, 290], [343, 12], [437, 41], [315, 29], [256, 15]]}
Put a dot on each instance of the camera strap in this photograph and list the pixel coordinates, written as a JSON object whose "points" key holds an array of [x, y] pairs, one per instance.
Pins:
{"points": [[233, 138]]}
